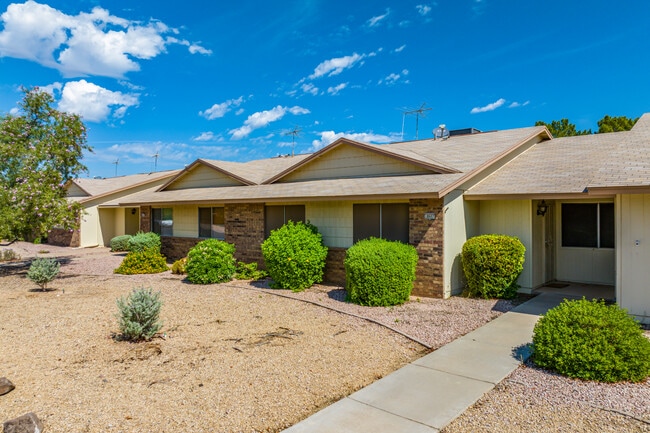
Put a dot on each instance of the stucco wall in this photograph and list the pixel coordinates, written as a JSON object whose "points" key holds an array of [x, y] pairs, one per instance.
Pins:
{"points": [[461, 222]]}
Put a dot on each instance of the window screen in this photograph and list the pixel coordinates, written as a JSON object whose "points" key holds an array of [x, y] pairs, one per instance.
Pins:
{"points": [[588, 225], [211, 223], [162, 221], [388, 221], [277, 216]]}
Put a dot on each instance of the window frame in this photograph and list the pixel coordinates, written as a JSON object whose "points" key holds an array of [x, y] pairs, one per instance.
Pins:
{"points": [[268, 226], [212, 235], [158, 222], [386, 212], [601, 226]]}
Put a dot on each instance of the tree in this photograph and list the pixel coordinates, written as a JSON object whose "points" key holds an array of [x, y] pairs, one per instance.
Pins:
{"points": [[615, 124], [562, 128], [40, 150]]}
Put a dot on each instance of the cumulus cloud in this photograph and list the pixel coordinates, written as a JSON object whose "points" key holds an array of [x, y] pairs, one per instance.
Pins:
{"points": [[205, 136], [516, 104], [95, 103], [328, 137], [95, 43], [263, 118], [336, 65], [423, 9], [489, 107], [220, 110], [336, 89]]}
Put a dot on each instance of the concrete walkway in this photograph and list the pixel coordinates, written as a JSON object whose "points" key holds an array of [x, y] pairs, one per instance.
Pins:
{"points": [[429, 393]]}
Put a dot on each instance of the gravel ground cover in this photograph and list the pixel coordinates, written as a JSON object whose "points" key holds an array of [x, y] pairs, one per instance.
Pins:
{"points": [[240, 357]]}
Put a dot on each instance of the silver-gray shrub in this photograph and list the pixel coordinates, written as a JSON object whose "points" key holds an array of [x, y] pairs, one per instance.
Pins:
{"points": [[139, 314], [43, 270]]}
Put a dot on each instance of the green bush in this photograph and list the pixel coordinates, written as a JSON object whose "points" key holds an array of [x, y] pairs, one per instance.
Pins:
{"points": [[179, 266], [295, 256], [379, 272], [210, 261], [120, 243], [492, 264], [138, 314], [42, 271], [148, 261], [249, 271], [592, 341], [144, 241]]}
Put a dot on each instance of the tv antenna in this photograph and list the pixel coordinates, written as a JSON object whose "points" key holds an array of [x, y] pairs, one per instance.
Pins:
{"points": [[293, 133], [441, 132], [116, 162], [155, 161], [420, 112]]}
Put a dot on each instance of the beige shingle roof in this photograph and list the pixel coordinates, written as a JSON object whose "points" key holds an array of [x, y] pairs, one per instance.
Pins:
{"points": [[572, 165], [98, 187]]}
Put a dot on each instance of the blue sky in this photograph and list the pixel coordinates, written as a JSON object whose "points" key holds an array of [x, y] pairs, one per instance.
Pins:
{"points": [[230, 80]]}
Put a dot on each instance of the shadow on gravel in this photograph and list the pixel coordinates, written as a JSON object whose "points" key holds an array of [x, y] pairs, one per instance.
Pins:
{"points": [[21, 266], [522, 352]]}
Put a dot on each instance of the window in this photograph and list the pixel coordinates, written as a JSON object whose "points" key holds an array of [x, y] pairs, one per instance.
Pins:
{"points": [[211, 223], [588, 225], [277, 216], [387, 220], [162, 221]]}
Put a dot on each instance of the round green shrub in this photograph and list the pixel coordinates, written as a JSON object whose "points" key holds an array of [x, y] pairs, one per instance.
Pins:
{"points": [[592, 341], [43, 270], [120, 243], [210, 261], [144, 241], [138, 314], [492, 264], [148, 261], [249, 271], [379, 272], [295, 256]]}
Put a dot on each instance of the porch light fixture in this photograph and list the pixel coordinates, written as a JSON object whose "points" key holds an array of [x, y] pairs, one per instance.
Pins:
{"points": [[542, 207], [133, 211]]}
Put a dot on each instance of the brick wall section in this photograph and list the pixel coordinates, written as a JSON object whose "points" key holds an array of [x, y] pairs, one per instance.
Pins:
{"points": [[64, 238], [145, 218], [175, 248], [334, 268], [427, 237], [245, 228]]}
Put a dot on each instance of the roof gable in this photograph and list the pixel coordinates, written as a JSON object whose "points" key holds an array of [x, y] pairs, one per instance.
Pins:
{"points": [[85, 189], [350, 159], [204, 174]]}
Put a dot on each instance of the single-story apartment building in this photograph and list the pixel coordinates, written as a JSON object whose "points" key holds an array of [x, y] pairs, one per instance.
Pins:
{"points": [[580, 205]]}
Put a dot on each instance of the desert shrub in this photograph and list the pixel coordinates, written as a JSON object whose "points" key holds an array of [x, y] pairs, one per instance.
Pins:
{"points": [[593, 341], [8, 255], [249, 271], [144, 241], [148, 261], [138, 314], [295, 256], [179, 266], [43, 270], [210, 261], [492, 264], [379, 272], [120, 243]]}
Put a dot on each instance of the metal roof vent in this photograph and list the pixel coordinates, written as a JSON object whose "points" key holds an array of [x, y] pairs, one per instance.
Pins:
{"points": [[441, 132]]}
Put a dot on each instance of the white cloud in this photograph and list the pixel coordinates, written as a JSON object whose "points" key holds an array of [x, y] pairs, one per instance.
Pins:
{"points": [[399, 49], [205, 136], [516, 104], [95, 103], [220, 110], [309, 88], [263, 118], [336, 89], [423, 9], [95, 43], [328, 137], [194, 48], [375, 21], [489, 107], [336, 65], [393, 78]]}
